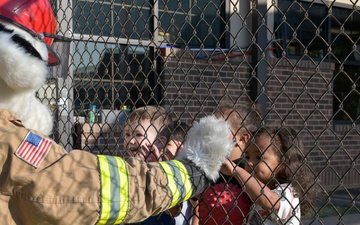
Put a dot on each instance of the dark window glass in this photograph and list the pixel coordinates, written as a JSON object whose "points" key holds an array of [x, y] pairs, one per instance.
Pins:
{"points": [[123, 19], [302, 28], [347, 93], [192, 23], [316, 28], [345, 33], [111, 76]]}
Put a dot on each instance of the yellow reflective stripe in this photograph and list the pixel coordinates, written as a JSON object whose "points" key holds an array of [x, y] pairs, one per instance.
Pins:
{"points": [[186, 180], [171, 182], [178, 181], [124, 190], [105, 190], [114, 190]]}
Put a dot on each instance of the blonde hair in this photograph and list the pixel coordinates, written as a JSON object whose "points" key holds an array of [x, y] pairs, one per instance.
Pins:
{"points": [[158, 116]]}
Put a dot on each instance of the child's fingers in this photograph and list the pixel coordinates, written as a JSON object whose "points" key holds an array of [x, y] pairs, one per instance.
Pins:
{"points": [[227, 167], [140, 155], [155, 151], [168, 155], [148, 154], [143, 152]]}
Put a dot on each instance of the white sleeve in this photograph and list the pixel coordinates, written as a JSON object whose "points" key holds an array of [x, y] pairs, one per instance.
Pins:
{"points": [[289, 210]]}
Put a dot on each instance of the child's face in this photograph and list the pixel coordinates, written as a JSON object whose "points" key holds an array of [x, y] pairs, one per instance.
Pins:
{"points": [[237, 135], [239, 146], [138, 134], [262, 159]]}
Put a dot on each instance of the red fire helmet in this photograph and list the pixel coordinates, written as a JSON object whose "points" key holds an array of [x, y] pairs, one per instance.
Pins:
{"points": [[35, 17]]}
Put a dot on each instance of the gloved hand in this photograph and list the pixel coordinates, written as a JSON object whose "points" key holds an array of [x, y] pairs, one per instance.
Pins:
{"points": [[207, 145]]}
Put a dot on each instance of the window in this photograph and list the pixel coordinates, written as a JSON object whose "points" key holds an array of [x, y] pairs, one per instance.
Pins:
{"points": [[347, 93], [111, 66], [121, 19], [114, 55], [313, 29], [192, 23], [302, 26], [345, 34], [111, 75]]}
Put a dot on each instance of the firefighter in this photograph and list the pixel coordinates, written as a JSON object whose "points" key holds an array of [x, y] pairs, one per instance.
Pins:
{"points": [[42, 183]]}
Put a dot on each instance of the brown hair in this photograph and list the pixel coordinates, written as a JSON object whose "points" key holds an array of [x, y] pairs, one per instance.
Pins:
{"points": [[241, 117], [294, 167], [179, 132]]}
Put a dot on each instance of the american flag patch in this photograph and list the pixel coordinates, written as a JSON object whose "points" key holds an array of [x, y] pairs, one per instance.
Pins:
{"points": [[33, 149]]}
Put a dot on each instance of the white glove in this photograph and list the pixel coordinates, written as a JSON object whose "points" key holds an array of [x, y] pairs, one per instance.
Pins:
{"points": [[207, 145]]}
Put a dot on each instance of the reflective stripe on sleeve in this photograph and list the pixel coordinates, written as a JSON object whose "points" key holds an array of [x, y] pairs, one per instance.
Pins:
{"points": [[114, 189], [178, 181]]}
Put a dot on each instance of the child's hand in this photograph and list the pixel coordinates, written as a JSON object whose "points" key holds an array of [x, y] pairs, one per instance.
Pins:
{"points": [[167, 156], [228, 168], [149, 153]]}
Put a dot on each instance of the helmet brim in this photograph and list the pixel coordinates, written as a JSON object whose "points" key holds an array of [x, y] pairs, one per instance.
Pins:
{"points": [[59, 55], [53, 58]]}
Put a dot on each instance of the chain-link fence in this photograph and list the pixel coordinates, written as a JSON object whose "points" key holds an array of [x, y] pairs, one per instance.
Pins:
{"points": [[297, 60]]}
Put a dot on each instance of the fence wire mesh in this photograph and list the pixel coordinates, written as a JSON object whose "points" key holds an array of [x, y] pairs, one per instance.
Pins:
{"points": [[296, 62]]}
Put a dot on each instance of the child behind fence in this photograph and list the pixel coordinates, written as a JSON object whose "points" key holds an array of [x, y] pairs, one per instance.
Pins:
{"points": [[149, 134], [225, 202], [276, 177], [145, 126], [180, 214]]}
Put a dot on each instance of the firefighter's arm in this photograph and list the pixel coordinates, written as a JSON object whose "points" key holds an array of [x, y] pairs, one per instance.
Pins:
{"points": [[133, 190]]}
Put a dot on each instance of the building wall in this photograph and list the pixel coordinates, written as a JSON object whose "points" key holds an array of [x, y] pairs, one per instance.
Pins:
{"points": [[299, 95], [192, 87]]}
